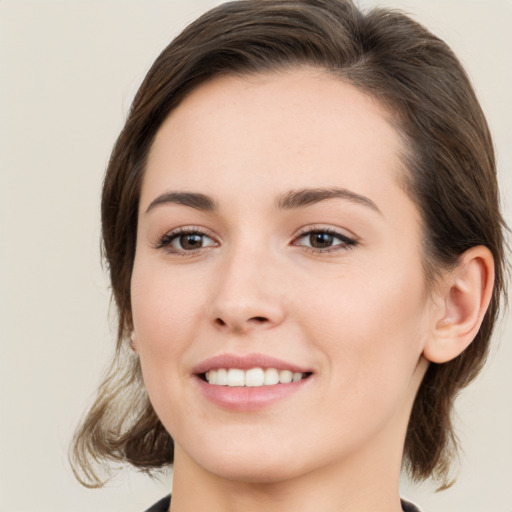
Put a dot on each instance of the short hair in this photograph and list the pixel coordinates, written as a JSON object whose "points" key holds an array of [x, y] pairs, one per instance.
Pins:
{"points": [[450, 175]]}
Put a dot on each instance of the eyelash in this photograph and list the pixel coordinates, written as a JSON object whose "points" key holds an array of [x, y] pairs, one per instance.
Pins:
{"points": [[166, 240], [345, 241]]}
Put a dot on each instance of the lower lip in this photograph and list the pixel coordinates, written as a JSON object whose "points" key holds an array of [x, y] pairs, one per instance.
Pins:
{"points": [[248, 398]]}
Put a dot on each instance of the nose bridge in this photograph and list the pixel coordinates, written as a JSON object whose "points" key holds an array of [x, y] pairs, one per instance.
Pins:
{"points": [[247, 294]]}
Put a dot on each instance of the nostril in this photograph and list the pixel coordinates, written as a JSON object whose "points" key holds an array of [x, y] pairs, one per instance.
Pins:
{"points": [[259, 319], [236, 325]]}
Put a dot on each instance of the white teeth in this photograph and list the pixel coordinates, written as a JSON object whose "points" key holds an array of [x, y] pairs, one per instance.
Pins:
{"points": [[271, 377], [222, 377], [286, 376], [254, 377], [236, 377]]}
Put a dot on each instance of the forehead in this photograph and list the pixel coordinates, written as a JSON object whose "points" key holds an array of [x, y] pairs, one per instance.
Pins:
{"points": [[301, 127]]}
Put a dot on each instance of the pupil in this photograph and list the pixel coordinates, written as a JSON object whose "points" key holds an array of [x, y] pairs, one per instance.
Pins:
{"points": [[191, 241], [321, 240]]}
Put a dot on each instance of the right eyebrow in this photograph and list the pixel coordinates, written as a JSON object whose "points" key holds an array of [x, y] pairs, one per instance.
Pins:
{"points": [[191, 199], [305, 197]]}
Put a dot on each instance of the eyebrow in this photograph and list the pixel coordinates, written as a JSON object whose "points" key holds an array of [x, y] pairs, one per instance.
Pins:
{"points": [[305, 197], [191, 199], [289, 201]]}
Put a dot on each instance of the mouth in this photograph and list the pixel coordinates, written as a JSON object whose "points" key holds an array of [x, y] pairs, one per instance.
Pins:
{"points": [[252, 377], [249, 382]]}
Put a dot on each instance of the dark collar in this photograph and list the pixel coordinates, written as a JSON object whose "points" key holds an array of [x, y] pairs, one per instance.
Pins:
{"points": [[164, 503]]}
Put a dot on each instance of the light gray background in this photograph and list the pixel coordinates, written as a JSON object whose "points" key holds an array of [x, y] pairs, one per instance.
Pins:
{"points": [[69, 71]]}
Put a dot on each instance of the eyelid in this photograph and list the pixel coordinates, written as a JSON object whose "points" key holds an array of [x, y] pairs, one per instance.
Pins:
{"points": [[347, 241], [337, 231], [164, 241]]}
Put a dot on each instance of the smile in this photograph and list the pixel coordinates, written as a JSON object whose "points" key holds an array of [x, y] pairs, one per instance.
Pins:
{"points": [[253, 377], [249, 382]]}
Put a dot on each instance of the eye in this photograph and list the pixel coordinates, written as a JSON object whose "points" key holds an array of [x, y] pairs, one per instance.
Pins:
{"points": [[185, 240], [324, 240]]}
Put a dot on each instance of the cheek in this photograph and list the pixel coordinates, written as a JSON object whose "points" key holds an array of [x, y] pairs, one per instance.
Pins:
{"points": [[372, 327], [166, 309], [165, 317]]}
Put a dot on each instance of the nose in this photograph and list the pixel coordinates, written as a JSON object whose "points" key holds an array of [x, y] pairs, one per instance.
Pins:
{"points": [[247, 295]]}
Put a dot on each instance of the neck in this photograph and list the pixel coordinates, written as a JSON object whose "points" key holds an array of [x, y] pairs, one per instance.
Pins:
{"points": [[357, 483]]}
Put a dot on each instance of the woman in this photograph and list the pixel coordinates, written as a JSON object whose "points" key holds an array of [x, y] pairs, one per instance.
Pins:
{"points": [[301, 223]]}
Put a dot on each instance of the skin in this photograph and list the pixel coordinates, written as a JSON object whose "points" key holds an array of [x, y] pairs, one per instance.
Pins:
{"points": [[358, 315]]}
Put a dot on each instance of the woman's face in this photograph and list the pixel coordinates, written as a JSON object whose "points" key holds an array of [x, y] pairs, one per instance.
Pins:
{"points": [[275, 242]]}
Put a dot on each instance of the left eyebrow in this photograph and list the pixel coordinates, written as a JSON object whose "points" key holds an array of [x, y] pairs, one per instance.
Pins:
{"points": [[305, 197], [191, 199]]}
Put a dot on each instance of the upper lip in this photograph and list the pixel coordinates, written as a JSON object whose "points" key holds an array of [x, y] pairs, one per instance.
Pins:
{"points": [[246, 362]]}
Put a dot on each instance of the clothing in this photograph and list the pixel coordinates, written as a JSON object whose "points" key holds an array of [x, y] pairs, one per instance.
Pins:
{"points": [[407, 506], [163, 506]]}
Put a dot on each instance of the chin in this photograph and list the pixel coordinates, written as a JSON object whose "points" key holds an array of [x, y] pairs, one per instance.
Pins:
{"points": [[255, 472], [254, 465]]}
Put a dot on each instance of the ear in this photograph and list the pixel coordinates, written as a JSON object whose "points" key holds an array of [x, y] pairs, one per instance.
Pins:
{"points": [[133, 341], [463, 296]]}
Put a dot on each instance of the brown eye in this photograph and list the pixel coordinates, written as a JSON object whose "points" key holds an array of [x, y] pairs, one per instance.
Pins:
{"points": [[185, 241], [324, 240], [320, 240], [189, 242]]}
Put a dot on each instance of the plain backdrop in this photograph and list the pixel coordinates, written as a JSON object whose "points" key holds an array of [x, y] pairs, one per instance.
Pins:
{"points": [[69, 70]]}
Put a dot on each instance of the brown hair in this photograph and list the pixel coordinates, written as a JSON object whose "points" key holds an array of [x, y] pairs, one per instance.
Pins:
{"points": [[452, 179]]}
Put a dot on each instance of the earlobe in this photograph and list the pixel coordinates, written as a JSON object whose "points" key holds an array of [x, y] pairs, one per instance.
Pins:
{"points": [[465, 297]]}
